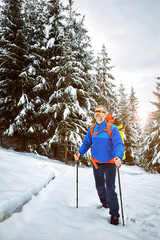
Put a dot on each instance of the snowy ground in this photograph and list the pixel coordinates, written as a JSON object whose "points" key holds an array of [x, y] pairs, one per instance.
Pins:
{"points": [[50, 212]]}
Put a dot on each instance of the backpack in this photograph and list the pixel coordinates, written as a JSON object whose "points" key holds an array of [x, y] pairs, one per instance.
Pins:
{"points": [[110, 120]]}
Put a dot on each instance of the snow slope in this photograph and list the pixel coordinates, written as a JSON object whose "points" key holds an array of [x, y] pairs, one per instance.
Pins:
{"points": [[50, 212]]}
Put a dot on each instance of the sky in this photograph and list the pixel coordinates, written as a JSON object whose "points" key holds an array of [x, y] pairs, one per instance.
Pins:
{"points": [[48, 187], [130, 31]]}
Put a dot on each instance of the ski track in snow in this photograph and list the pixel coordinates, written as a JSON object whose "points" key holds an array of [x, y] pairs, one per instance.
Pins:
{"points": [[52, 215]]}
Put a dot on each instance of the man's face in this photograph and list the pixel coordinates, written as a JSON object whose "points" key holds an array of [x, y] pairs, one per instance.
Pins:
{"points": [[100, 115]]}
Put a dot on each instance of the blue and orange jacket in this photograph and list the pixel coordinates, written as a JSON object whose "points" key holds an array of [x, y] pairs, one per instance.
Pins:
{"points": [[103, 148]]}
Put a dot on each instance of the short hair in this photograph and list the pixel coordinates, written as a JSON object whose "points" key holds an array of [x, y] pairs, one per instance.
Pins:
{"points": [[102, 106]]}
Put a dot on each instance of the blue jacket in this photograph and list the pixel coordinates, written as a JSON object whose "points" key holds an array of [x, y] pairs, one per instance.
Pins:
{"points": [[104, 148]]}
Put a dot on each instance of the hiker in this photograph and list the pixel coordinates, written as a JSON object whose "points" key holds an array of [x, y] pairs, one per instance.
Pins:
{"points": [[106, 154]]}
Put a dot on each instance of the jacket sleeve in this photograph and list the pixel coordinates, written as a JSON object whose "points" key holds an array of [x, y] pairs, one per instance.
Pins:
{"points": [[87, 143], [117, 143]]}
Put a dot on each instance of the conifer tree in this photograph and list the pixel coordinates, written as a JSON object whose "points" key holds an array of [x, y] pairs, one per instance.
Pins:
{"points": [[136, 139], [124, 115], [106, 94], [148, 146], [152, 136], [15, 83], [35, 21], [54, 39], [54, 32], [27, 73], [70, 102]]}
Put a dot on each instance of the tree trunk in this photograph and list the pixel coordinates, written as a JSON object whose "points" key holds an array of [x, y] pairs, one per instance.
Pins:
{"points": [[66, 144], [24, 143], [1, 141]]}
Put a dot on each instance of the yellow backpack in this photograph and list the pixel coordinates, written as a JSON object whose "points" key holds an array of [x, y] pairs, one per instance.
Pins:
{"points": [[120, 128]]}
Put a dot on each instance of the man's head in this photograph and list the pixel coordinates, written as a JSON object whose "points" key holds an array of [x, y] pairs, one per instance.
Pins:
{"points": [[100, 113]]}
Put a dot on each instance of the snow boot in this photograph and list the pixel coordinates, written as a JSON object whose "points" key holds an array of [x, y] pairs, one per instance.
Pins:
{"points": [[114, 220]]}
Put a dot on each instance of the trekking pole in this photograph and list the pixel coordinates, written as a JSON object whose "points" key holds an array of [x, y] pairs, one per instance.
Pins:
{"points": [[120, 196], [77, 186]]}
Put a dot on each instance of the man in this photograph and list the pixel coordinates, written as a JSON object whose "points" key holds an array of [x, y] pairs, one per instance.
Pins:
{"points": [[106, 155]]}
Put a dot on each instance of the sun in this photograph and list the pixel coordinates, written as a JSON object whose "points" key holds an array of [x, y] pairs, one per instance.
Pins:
{"points": [[143, 115]]}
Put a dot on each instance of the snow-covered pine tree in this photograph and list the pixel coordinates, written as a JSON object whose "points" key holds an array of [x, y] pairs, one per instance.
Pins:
{"points": [[105, 86], [70, 103], [15, 83], [35, 17], [54, 32], [136, 139], [35, 21], [148, 146], [151, 156], [124, 115]]}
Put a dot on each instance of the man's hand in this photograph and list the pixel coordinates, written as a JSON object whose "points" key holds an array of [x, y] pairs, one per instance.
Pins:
{"points": [[117, 162], [76, 156]]}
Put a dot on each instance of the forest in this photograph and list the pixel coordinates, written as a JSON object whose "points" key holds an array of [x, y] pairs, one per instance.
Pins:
{"points": [[51, 81]]}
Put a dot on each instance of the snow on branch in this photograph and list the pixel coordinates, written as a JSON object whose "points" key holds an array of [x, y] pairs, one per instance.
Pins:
{"points": [[50, 43]]}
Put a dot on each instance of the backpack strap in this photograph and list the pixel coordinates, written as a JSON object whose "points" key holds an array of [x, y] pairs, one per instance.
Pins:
{"points": [[108, 129], [108, 126], [91, 128]]}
